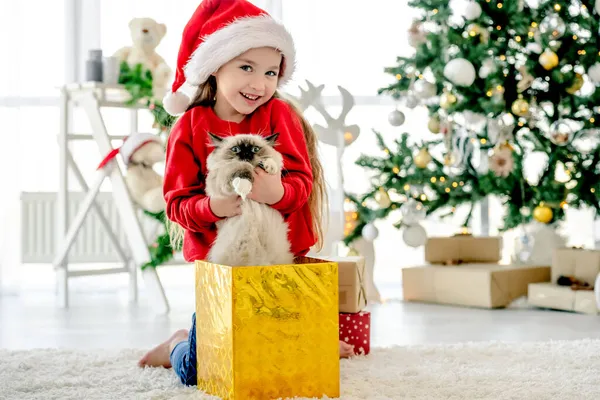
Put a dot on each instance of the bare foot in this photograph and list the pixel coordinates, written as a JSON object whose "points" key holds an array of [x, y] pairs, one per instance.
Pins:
{"points": [[346, 350], [160, 355]]}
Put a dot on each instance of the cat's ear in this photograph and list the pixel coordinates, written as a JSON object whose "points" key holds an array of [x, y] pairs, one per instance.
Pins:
{"points": [[272, 140], [216, 140]]}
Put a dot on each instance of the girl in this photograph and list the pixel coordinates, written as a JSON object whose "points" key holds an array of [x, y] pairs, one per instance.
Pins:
{"points": [[237, 56]]}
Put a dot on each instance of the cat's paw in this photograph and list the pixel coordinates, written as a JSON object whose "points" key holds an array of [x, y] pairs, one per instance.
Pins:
{"points": [[242, 187], [270, 166]]}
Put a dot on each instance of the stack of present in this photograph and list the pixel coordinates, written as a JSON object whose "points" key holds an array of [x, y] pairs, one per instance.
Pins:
{"points": [[268, 332], [574, 273], [464, 270], [354, 322]]}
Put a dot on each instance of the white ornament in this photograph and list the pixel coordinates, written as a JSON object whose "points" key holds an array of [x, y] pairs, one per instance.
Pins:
{"points": [[424, 89], [412, 101], [472, 11], [370, 232], [597, 7], [460, 72], [396, 118], [487, 67], [414, 235], [594, 72], [412, 212]]}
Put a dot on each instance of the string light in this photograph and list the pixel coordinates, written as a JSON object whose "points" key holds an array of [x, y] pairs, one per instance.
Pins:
{"points": [[518, 38], [395, 170], [581, 52], [442, 179], [489, 93], [500, 5], [454, 184], [461, 183], [498, 28], [398, 76], [387, 151], [557, 7], [530, 34], [503, 57], [521, 123], [534, 24], [433, 179], [406, 187], [435, 10], [483, 141], [447, 190], [593, 190], [574, 37], [423, 197]]}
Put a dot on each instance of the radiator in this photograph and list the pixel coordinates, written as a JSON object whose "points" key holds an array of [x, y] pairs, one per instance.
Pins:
{"points": [[38, 229]]}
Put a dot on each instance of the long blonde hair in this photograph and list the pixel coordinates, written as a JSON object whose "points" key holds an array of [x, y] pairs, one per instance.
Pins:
{"points": [[317, 199]]}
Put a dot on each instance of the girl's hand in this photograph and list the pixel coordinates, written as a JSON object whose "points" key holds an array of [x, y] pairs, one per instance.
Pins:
{"points": [[266, 188], [224, 207]]}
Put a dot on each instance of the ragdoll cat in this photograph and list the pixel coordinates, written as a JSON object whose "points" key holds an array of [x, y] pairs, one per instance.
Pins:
{"points": [[259, 235]]}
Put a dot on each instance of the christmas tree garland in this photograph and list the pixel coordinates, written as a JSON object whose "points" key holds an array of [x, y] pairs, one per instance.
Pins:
{"points": [[138, 82]]}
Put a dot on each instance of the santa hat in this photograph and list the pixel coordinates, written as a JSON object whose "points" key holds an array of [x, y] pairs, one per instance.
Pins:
{"points": [[130, 145], [219, 31]]}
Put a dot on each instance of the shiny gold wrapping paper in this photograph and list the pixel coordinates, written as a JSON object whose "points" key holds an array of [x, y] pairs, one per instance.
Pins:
{"points": [[266, 332]]}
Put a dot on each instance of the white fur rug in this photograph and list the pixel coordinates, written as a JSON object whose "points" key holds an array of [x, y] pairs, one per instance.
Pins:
{"points": [[546, 370]]}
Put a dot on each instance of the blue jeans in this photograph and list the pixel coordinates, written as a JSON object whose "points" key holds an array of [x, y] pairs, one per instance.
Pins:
{"points": [[183, 358]]}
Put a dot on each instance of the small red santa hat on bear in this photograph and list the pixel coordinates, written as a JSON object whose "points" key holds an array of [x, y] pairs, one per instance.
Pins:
{"points": [[130, 145], [219, 31]]}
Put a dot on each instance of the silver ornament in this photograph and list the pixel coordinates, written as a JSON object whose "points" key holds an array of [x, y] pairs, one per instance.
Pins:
{"points": [[553, 25], [370, 232], [412, 212], [396, 118], [414, 236], [460, 71], [424, 89], [412, 101], [561, 132], [594, 73]]}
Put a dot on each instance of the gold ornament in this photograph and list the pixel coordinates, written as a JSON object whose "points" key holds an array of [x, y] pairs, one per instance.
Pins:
{"points": [[422, 158], [446, 100], [548, 59], [577, 84], [520, 107], [434, 125], [382, 198], [542, 213]]}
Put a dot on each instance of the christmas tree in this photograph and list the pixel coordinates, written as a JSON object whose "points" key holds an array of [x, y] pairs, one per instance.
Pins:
{"points": [[506, 84]]}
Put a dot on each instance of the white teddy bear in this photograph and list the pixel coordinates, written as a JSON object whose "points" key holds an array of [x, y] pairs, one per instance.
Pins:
{"points": [[140, 152], [146, 35]]}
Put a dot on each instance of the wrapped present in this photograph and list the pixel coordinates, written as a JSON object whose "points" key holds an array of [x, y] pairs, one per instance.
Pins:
{"points": [[475, 285], [355, 329], [268, 331], [584, 265], [549, 295], [463, 249], [352, 292]]}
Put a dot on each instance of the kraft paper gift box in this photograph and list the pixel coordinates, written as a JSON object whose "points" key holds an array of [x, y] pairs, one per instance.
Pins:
{"points": [[582, 264], [548, 295], [266, 332], [463, 248], [352, 291], [355, 329], [475, 285]]}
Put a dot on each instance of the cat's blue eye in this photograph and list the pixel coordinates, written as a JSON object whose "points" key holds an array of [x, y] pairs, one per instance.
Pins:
{"points": [[255, 149], [246, 68], [235, 149]]}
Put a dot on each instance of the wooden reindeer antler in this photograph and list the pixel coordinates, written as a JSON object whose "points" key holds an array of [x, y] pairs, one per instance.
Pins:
{"points": [[335, 126]]}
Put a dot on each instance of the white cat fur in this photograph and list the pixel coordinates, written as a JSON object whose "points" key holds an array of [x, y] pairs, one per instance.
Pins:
{"points": [[259, 235]]}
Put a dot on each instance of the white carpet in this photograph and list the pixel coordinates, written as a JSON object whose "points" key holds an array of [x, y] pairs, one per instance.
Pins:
{"points": [[546, 370]]}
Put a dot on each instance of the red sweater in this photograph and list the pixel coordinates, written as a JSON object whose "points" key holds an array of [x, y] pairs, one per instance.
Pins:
{"points": [[184, 180]]}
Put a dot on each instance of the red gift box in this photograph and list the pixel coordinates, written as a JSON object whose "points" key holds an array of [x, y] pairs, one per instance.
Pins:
{"points": [[355, 329]]}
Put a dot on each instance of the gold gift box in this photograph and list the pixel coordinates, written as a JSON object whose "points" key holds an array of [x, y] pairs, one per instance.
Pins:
{"points": [[267, 332]]}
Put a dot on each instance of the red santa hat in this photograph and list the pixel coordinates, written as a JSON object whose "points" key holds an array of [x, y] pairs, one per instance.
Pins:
{"points": [[219, 31], [130, 145]]}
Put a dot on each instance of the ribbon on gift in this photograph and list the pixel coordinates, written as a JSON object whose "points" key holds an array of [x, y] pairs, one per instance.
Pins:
{"points": [[451, 262], [362, 293]]}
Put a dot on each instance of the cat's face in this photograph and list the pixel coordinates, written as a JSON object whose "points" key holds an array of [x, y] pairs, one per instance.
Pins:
{"points": [[248, 148]]}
